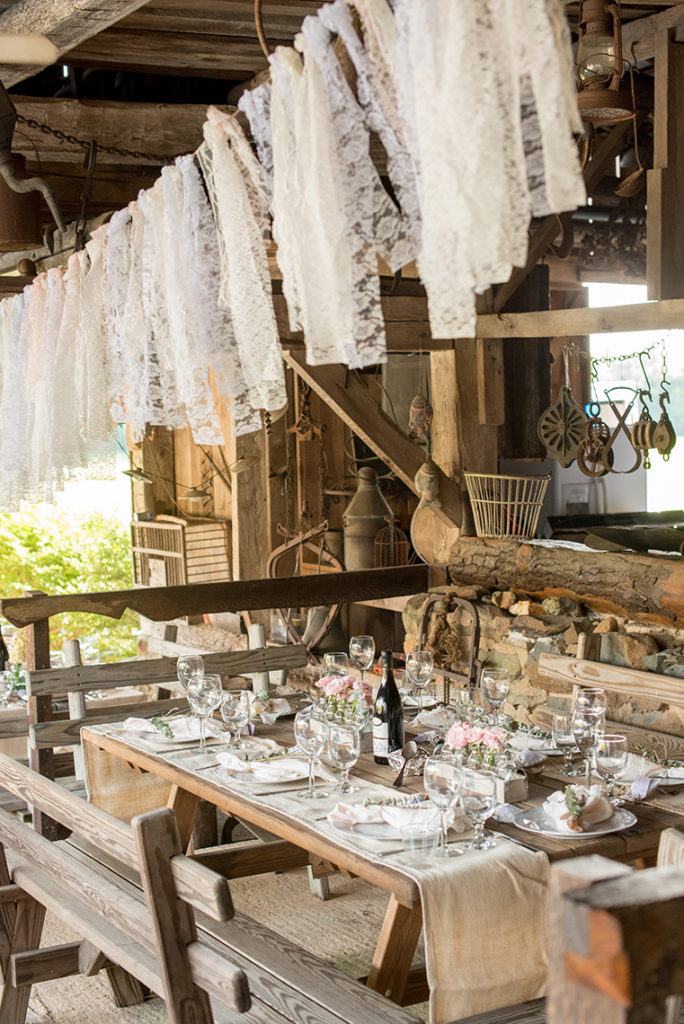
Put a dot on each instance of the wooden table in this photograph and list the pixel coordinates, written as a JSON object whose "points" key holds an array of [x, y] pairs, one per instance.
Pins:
{"points": [[391, 967]]}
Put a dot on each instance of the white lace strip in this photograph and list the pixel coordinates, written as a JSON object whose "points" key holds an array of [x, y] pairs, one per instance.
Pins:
{"points": [[241, 209]]}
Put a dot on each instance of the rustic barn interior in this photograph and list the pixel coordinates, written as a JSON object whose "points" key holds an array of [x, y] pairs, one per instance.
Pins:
{"points": [[371, 503]]}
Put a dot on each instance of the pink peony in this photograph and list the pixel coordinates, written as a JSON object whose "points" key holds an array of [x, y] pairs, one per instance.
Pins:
{"points": [[336, 686], [458, 736], [494, 739], [365, 690], [475, 734]]}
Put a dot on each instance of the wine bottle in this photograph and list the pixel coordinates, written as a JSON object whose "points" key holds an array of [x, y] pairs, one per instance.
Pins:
{"points": [[388, 718], [4, 655]]}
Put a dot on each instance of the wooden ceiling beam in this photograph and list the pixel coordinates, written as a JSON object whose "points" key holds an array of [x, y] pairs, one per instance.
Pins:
{"points": [[643, 33], [179, 53], [66, 23], [668, 314], [158, 129]]}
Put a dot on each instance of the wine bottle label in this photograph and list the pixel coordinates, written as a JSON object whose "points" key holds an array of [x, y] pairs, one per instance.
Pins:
{"points": [[380, 738]]}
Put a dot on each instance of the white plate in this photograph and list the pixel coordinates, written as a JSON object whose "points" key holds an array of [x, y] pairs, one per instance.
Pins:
{"points": [[665, 779], [369, 829], [159, 740], [535, 820]]}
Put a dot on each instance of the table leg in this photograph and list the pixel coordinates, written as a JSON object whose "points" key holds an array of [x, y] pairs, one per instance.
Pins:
{"points": [[395, 948], [184, 806]]}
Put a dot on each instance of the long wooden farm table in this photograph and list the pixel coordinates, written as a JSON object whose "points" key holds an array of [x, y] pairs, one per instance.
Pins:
{"points": [[139, 780]]}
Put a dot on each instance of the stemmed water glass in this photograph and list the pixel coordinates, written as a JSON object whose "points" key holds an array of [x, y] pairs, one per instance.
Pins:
{"points": [[204, 696], [478, 800], [442, 777], [589, 697], [344, 748], [610, 757], [188, 667], [311, 728], [235, 713], [496, 685], [587, 727], [419, 666], [336, 663], [362, 653], [564, 738]]}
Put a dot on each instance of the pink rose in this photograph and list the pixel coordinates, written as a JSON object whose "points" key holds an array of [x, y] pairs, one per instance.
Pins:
{"points": [[494, 739], [457, 736], [475, 734]]}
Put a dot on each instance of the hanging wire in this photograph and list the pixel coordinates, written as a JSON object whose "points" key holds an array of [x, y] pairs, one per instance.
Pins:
{"points": [[259, 22]]}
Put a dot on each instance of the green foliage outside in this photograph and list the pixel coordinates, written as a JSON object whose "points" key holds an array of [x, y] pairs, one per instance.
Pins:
{"points": [[58, 553]]}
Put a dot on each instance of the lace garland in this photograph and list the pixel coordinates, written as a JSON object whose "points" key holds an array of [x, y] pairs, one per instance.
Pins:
{"points": [[240, 206], [328, 245]]}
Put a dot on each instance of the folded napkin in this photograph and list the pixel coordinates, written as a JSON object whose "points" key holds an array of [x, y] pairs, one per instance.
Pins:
{"points": [[505, 813], [589, 807], [528, 758], [268, 710], [409, 701], [282, 769], [526, 741], [346, 815], [182, 728]]}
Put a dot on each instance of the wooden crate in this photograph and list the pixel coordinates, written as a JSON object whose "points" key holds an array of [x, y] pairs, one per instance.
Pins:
{"points": [[169, 552]]}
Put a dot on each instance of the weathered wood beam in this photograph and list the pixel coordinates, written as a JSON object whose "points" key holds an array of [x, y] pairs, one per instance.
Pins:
{"points": [[643, 33], [13, 284], [162, 603], [158, 129], [644, 587], [180, 53], [549, 226], [668, 314], [629, 681], [66, 23], [42, 256], [346, 395], [665, 205]]}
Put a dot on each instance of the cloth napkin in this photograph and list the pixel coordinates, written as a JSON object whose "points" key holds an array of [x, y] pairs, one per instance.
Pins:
{"points": [[185, 728], [596, 809], [269, 710], [356, 814], [506, 813], [640, 771], [282, 769], [528, 758], [414, 702]]}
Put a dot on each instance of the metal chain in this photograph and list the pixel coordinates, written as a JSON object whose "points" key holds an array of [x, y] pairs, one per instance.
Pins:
{"points": [[74, 141]]}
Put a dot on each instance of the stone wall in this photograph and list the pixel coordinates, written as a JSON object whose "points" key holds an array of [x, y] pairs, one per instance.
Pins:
{"points": [[515, 631]]}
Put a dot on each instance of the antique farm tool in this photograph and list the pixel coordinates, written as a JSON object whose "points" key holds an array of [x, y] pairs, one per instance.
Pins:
{"points": [[644, 428], [420, 418], [562, 425], [621, 427], [592, 444], [664, 437]]}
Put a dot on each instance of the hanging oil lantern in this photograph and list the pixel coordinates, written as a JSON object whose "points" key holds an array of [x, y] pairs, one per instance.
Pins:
{"points": [[365, 514]]}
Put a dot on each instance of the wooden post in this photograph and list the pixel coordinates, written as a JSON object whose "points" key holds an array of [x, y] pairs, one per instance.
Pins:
{"points": [[665, 206], [257, 639], [71, 655], [40, 710]]}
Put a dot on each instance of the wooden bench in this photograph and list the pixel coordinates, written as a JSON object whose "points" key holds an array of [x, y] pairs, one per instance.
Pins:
{"points": [[50, 728], [143, 907]]}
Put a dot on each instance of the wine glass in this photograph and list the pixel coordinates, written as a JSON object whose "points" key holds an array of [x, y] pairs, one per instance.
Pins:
{"points": [[496, 685], [344, 748], [204, 696], [587, 726], [362, 653], [419, 666], [235, 713], [311, 729], [442, 778], [610, 757], [188, 667], [6, 684], [564, 738], [589, 697], [336, 663], [478, 800]]}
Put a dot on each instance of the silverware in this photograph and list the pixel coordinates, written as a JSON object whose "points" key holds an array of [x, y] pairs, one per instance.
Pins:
{"points": [[409, 750]]}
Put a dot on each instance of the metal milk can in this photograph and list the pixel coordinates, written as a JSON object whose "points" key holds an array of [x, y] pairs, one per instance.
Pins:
{"points": [[365, 514]]}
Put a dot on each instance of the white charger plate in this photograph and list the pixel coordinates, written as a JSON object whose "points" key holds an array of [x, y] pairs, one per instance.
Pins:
{"points": [[535, 820]]}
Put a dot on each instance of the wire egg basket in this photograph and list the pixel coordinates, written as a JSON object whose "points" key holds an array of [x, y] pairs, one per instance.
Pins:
{"points": [[506, 506]]}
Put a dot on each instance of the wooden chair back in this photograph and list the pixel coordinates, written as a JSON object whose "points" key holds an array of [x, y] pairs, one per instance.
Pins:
{"points": [[50, 728]]}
